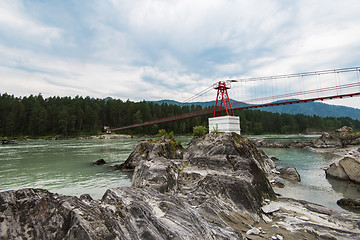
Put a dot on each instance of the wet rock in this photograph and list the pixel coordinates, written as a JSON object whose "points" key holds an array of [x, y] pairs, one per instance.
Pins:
{"points": [[347, 203], [290, 173], [100, 162]]}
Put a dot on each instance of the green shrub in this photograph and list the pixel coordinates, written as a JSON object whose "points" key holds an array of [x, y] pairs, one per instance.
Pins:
{"points": [[199, 131], [162, 132]]}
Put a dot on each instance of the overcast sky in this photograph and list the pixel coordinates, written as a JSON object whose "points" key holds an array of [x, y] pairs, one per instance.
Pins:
{"points": [[165, 49]]}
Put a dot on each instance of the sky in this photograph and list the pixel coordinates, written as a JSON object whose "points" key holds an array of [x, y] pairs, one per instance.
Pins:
{"points": [[164, 49]]}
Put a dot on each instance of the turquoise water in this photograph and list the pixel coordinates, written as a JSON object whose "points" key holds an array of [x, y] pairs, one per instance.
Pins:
{"points": [[314, 186], [66, 167]]}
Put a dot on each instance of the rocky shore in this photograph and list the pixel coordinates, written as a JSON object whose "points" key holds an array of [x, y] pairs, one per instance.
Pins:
{"points": [[217, 188], [341, 138]]}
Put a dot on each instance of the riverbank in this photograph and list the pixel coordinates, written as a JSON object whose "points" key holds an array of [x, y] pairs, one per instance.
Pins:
{"points": [[59, 137]]}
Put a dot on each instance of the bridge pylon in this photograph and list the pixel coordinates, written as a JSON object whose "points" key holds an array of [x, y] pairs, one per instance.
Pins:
{"points": [[229, 122]]}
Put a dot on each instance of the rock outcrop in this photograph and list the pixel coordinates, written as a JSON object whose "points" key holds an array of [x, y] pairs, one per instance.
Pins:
{"points": [[348, 168], [220, 171], [99, 162], [290, 173], [216, 189], [349, 203], [146, 150], [342, 137]]}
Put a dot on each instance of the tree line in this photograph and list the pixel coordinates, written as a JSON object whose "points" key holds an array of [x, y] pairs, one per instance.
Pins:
{"points": [[35, 116]]}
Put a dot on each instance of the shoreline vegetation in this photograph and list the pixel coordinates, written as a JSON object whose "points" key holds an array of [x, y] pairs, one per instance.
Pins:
{"points": [[35, 117]]}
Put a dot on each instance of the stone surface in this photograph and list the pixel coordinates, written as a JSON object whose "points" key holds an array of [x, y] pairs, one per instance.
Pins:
{"points": [[351, 166], [146, 150], [126, 213], [290, 173], [100, 162], [270, 208], [335, 170], [342, 137], [348, 168], [219, 172], [349, 203]]}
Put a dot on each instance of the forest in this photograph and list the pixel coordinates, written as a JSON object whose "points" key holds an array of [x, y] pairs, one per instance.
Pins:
{"points": [[35, 116]]}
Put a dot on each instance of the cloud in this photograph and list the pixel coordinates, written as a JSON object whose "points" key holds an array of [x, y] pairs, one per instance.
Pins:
{"points": [[155, 49]]}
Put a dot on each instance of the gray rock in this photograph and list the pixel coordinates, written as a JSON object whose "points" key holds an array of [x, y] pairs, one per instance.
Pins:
{"points": [[327, 140], [277, 183], [123, 213], [253, 231], [342, 137], [222, 168], [335, 170], [348, 168], [351, 166], [290, 173], [146, 150], [100, 162], [270, 208], [349, 203]]}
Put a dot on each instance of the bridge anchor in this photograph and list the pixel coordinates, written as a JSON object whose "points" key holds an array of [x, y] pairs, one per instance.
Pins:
{"points": [[225, 123]]}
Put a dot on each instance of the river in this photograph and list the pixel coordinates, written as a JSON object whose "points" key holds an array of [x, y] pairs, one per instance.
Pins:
{"points": [[66, 167]]}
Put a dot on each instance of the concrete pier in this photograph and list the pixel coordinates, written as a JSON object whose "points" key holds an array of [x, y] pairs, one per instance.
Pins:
{"points": [[225, 124]]}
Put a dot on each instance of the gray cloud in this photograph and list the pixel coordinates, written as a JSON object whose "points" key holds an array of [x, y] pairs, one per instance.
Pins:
{"points": [[168, 49]]}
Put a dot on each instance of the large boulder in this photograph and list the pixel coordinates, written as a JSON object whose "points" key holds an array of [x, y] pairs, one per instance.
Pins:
{"points": [[351, 166], [290, 173], [348, 168], [335, 170]]}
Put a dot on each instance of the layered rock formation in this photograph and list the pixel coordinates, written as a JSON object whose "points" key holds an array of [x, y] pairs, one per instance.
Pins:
{"points": [[348, 168], [218, 188]]}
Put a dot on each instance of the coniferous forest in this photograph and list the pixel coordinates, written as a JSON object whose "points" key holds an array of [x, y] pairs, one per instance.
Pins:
{"points": [[35, 116]]}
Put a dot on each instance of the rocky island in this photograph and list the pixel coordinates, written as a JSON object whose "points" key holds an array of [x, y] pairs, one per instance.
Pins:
{"points": [[217, 188]]}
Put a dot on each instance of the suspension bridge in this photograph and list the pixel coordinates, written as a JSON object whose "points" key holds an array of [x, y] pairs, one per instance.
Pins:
{"points": [[267, 91]]}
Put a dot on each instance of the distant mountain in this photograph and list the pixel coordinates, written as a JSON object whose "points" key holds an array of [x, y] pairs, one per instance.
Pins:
{"points": [[309, 108], [316, 108]]}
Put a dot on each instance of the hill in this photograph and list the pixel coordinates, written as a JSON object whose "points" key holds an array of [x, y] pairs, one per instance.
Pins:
{"points": [[310, 108]]}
